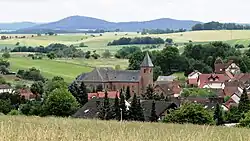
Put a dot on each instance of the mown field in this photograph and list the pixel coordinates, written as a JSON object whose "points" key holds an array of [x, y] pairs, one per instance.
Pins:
{"points": [[20, 128], [99, 43]]}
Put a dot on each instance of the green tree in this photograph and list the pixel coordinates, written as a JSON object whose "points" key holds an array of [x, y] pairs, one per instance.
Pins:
{"points": [[4, 70], [169, 40], [245, 122], [190, 113], [99, 88], [116, 109], [52, 85], [140, 113], [51, 55], [153, 116], [82, 94], [37, 89], [60, 103], [133, 109], [5, 106], [106, 112], [6, 55], [149, 95], [123, 107], [244, 103], [128, 95], [106, 54], [218, 115], [233, 115]]}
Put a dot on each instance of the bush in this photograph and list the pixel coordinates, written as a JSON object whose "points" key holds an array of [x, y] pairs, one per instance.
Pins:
{"points": [[125, 52], [82, 45], [60, 102], [14, 112], [106, 54], [190, 113], [245, 122], [5, 106], [6, 55], [31, 108]]}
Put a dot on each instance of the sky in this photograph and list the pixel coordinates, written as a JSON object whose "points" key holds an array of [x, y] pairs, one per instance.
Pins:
{"points": [[125, 10]]}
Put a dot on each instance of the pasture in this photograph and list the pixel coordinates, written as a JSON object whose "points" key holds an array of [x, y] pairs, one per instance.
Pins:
{"points": [[21, 128], [99, 42]]}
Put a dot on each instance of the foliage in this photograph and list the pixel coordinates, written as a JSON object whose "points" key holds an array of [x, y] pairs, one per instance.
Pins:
{"points": [[14, 113], [133, 109], [31, 74], [60, 103], [6, 55], [218, 115], [105, 111], [51, 55], [82, 45], [244, 103], [190, 113], [245, 122], [125, 52], [31, 108], [149, 94], [4, 70], [4, 63], [197, 92], [169, 40], [153, 116], [37, 89], [53, 84], [123, 107], [99, 88], [161, 31], [128, 95], [5, 106], [116, 109], [106, 54], [220, 26], [233, 115], [136, 40]]}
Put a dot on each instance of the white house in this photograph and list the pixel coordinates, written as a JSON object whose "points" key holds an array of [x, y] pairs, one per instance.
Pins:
{"points": [[4, 88]]}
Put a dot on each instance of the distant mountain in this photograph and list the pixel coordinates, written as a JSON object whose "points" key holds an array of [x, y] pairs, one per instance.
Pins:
{"points": [[75, 23], [16, 26]]}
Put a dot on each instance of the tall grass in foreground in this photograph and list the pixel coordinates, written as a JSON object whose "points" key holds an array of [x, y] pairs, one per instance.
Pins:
{"points": [[58, 129]]}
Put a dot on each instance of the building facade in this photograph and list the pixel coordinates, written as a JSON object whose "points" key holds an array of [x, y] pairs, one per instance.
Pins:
{"points": [[113, 80]]}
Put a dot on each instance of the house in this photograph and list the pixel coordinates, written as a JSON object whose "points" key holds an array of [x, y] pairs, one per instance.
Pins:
{"points": [[4, 88], [230, 67], [113, 80], [212, 81], [27, 94], [111, 94], [165, 79], [170, 89], [161, 107], [232, 87], [193, 78], [90, 109]]}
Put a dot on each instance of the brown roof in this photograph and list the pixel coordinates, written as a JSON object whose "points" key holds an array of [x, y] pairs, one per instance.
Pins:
{"points": [[170, 87], [205, 78], [27, 94]]}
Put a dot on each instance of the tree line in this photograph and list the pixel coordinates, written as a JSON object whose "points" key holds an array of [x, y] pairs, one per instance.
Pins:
{"points": [[136, 40], [161, 31], [220, 26]]}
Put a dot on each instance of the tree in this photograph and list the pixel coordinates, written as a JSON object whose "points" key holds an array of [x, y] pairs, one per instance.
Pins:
{"points": [[169, 40], [218, 117], [51, 55], [123, 107], [244, 103], [233, 115], [105, 113], [6, 55], [190, 113], [82, 45], [60, 103], [82, 96], [245, 122], [149, 95], [133, 109], [106, 54], [140, 113], [5, 106], [37, 89], [116, 109], [153, 116], [4, 70], [128, 93]]}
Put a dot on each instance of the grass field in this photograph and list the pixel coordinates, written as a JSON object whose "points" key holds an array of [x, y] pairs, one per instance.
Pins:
{"points": [[99, 43], [49, 68], [58, 129]]}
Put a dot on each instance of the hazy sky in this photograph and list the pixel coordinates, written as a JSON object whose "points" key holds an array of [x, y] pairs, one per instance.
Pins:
{"points": [[125, 10]]}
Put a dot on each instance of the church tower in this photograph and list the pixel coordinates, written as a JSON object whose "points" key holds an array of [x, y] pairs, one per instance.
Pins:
{"points": [[146, 73]]}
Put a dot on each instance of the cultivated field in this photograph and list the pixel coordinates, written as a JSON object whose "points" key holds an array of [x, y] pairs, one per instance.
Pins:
{"points": [[58, 129]]}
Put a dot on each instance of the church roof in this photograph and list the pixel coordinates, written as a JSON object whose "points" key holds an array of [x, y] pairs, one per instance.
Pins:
{"points": [[147, 62]]}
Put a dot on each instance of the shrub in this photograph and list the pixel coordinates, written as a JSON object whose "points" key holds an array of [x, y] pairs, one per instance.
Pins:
{"points": [[245, 122], [190, 113], [60, 102], [14, 112], [106, 54], [6, 55], [82, 45]]}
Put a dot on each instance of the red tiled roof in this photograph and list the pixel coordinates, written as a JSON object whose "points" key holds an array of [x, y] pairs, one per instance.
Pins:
{"points": [[111, 94], [229, 74], [193, 81], [229, 103], [205, 78], [228, 91]]}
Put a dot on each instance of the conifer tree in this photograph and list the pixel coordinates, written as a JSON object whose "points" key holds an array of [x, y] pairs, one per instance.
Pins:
{"points": [[244, 103], [82, 96], [218, 117], [128, 93], [133, 109], [140, 113], [122, 106], [149, 95], [116, 109], [153, 116], [105, 113]]}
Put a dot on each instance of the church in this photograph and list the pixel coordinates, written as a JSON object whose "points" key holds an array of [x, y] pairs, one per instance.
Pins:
{"points": [[113, 80]]}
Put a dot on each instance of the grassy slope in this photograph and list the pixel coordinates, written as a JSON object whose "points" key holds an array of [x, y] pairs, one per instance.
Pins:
{"points": [[50, 68], [59, 129]]}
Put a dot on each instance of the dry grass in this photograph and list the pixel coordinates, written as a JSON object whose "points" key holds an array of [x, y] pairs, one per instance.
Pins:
{"points": [[59, 129]]}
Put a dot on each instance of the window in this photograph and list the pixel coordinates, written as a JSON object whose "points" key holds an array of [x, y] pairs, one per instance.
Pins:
{"points": [[145, 70]]}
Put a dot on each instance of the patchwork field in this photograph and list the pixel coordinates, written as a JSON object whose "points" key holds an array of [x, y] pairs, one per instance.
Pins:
{"points": [[20, 128], [99, 42]]}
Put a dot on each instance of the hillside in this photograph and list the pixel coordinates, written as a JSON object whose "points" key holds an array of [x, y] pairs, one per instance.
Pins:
{"points": [[81, 22], [16, 128], [16, 26]]}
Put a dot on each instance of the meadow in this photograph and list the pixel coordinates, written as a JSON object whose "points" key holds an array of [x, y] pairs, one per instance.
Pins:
{"points": [[21, 128]]}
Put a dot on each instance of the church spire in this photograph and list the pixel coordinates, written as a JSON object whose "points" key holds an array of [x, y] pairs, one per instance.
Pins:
{"points": [[147, 62]]}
